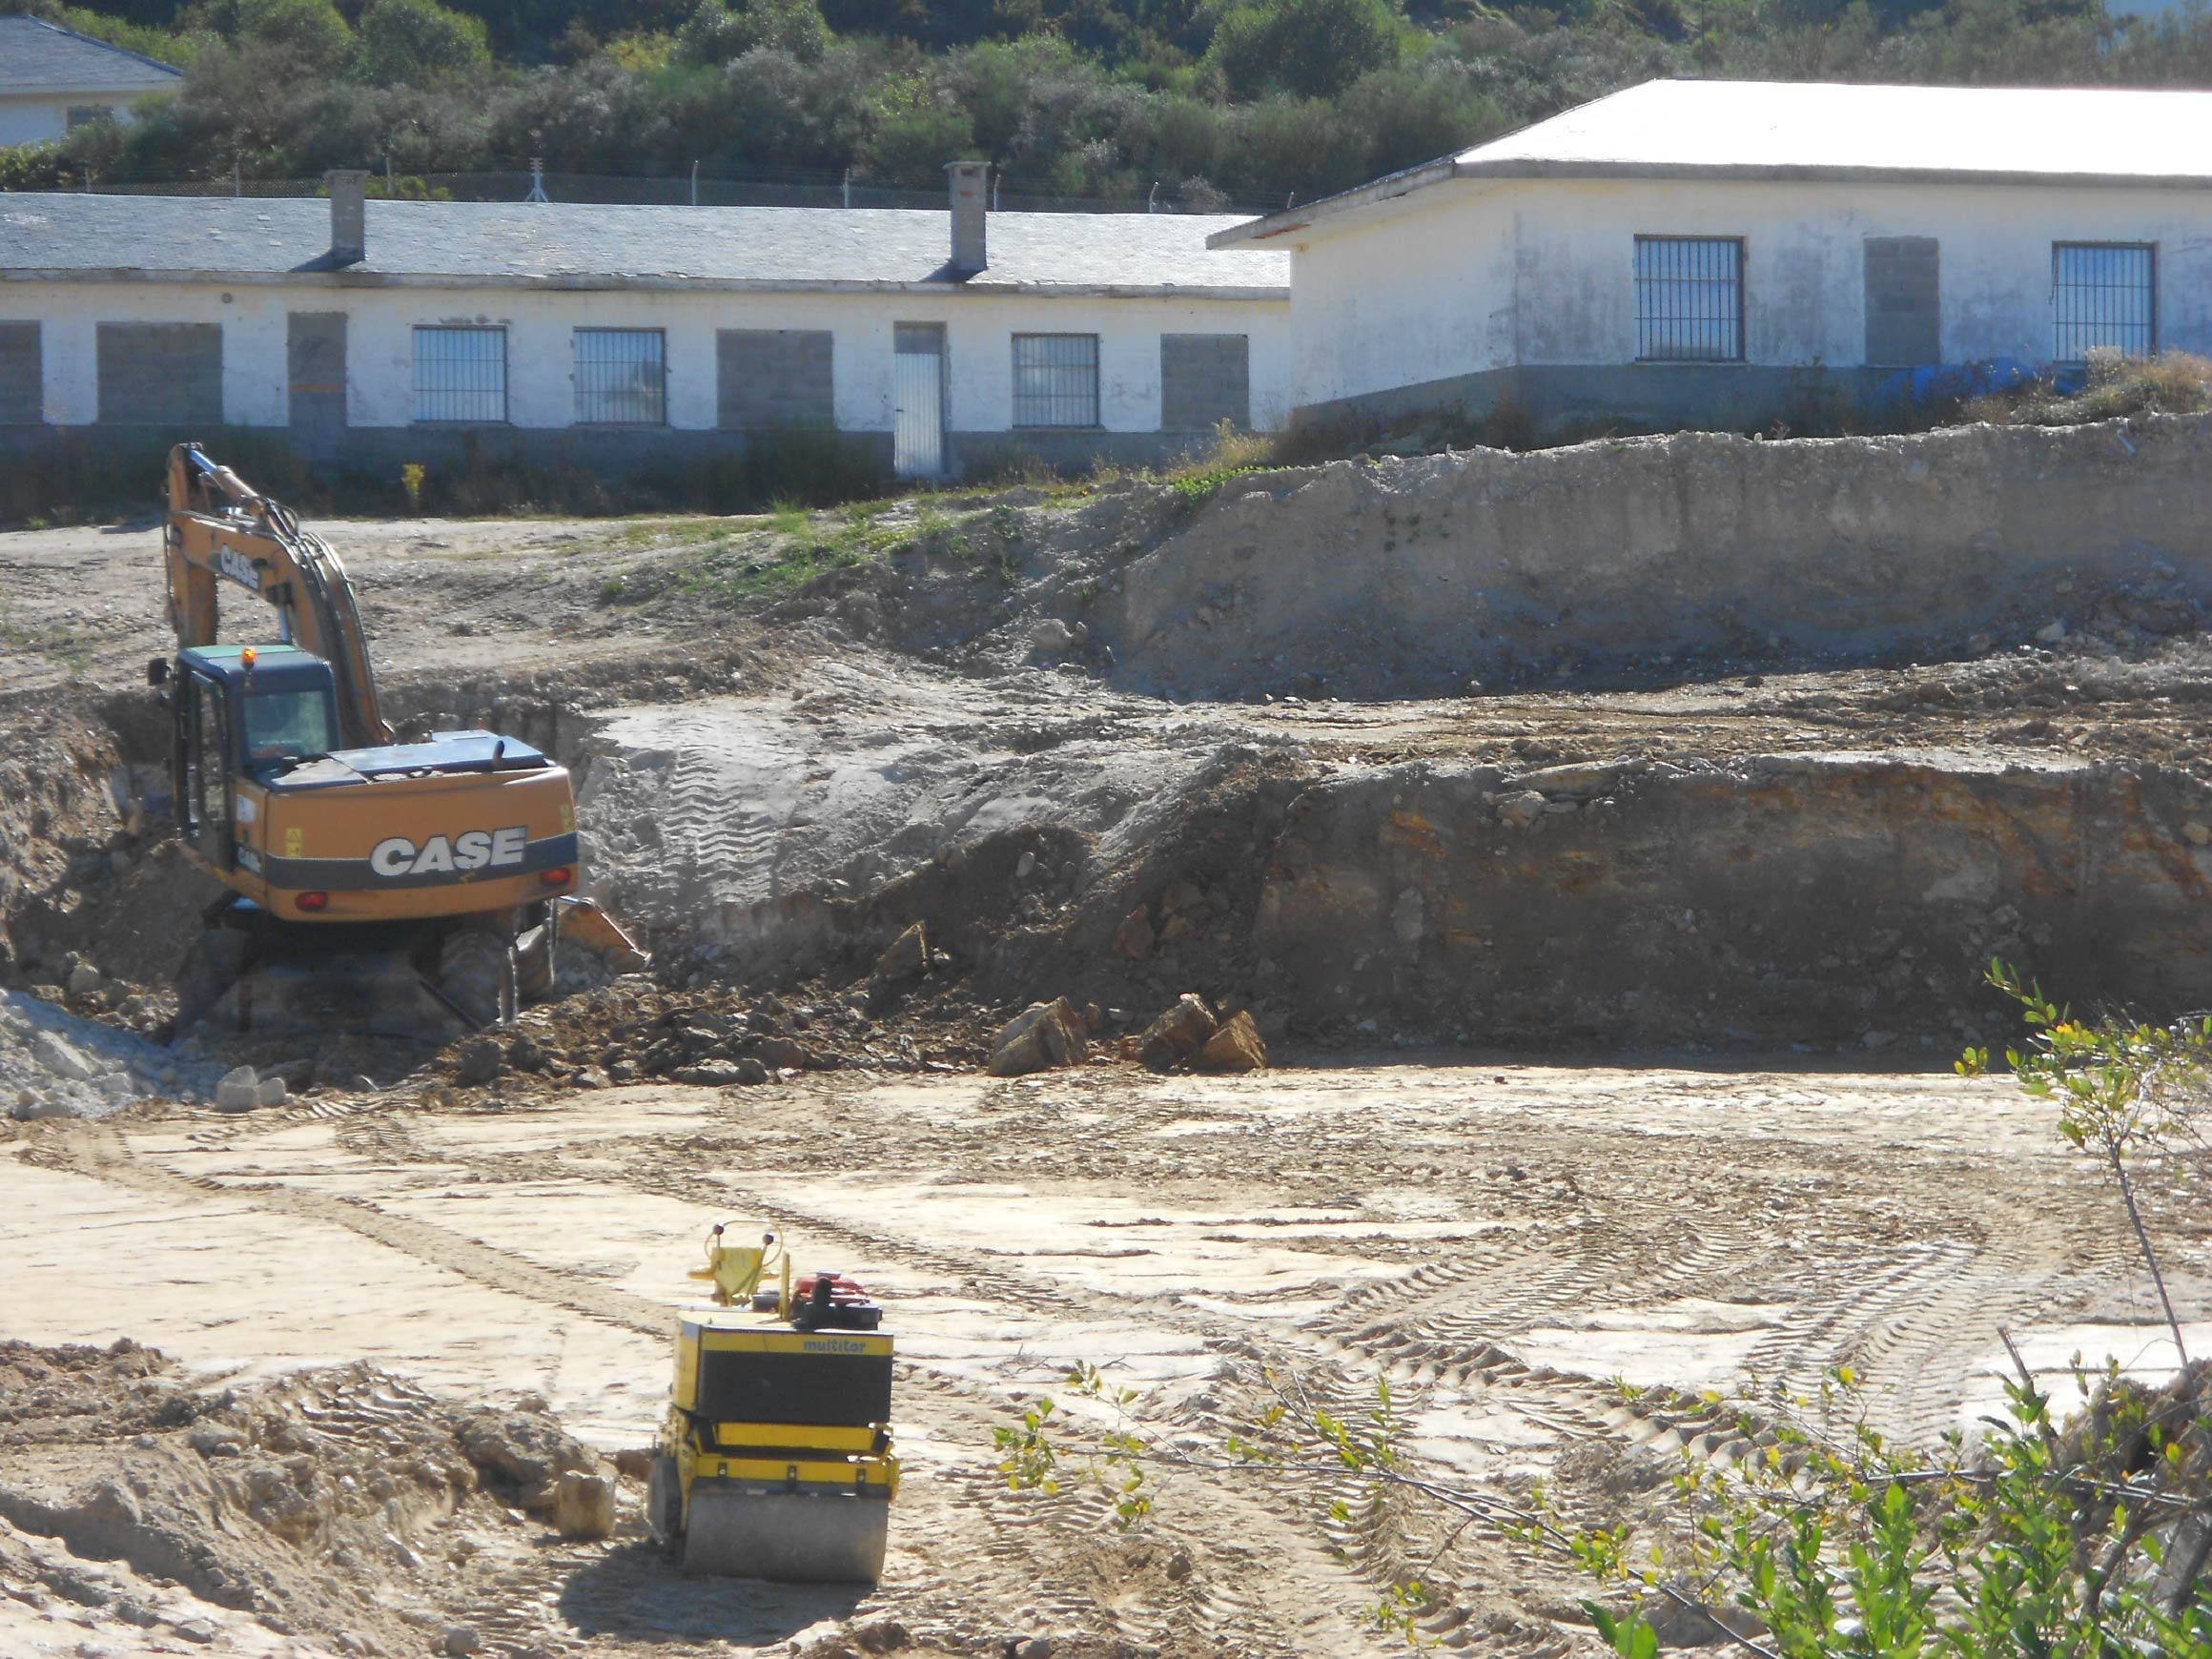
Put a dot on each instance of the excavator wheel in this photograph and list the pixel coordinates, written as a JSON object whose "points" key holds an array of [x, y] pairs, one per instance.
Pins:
{"points": [[476, 971], [537, 954], [215, 962]]}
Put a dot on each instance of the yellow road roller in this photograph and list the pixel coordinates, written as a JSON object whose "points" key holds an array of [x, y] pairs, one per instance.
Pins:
{"points": [[776, 1460]]}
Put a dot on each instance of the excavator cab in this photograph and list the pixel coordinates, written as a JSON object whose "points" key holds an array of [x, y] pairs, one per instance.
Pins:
{"points": [[242, 712]]}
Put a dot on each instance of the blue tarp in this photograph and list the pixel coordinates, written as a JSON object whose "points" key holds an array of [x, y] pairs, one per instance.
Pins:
{"points": [[1952, 383]]}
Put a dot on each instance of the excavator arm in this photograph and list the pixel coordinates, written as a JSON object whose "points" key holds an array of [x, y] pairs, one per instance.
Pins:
{"points": [[218, 529]]}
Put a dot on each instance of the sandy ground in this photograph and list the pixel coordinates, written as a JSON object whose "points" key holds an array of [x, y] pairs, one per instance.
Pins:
{"points": [[1499, 1241]]}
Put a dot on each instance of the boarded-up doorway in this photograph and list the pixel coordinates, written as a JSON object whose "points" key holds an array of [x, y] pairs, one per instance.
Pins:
{"points": [[917, 445], [1904, 310], [315, 362]]}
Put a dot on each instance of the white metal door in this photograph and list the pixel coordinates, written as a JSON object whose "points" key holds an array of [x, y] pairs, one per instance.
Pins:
{"points": [[918, 445]]}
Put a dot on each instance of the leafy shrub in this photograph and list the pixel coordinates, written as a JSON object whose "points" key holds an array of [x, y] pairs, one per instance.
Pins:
{"points": [[1308, 47], [418, 43], [716, 34]]}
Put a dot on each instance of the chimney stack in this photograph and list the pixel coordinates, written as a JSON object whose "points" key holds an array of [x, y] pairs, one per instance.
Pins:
{"points": [[349, 239], [970, 181]]}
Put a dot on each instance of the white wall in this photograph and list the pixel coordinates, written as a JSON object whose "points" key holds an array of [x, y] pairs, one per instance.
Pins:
{"points": [[379, 345], [35, 117], [1419, 297]]}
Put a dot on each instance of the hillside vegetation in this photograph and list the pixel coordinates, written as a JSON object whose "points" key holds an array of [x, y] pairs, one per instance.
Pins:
{"points": [[1205, 103]]}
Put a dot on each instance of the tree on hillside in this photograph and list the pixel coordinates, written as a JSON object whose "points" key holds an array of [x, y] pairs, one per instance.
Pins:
{"points": [[310, 34], [716, 32], [418, 43], [1312, 49]]}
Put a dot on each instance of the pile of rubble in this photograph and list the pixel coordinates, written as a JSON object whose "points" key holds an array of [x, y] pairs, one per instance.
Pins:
{"points": [[53, 1064], [634, 1030]]}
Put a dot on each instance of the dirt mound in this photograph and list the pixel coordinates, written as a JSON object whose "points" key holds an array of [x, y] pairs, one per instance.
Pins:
{"points": [[346, 1503], [1610, 561]]}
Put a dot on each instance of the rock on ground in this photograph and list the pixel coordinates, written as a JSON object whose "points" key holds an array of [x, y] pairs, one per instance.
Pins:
{"points": [[584, 1505], [1235, 1047], [1177, 1036], [1041, 1037], [53, 1064]]}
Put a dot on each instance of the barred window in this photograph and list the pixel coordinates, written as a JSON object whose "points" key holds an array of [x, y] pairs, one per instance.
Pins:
{"points": [[2103, 295], [1689, 299], [460, 374], [1056, 379], [622, 377]]}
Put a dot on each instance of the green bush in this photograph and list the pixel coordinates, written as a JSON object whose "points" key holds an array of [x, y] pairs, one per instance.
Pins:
{"points": [[716, 32], [418, 43], [1310, 49]]}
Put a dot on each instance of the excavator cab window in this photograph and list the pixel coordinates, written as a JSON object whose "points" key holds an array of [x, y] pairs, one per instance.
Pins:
{"points": [[288, 725]]}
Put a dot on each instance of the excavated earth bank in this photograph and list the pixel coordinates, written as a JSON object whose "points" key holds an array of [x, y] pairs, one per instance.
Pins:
{"points": [[1767, 901], [977, 743], [1396, 577]]}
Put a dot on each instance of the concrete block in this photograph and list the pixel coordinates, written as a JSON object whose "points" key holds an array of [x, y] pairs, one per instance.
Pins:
{"points": [[773, 377], [161, 374], [22, 375], [1204, 378]]}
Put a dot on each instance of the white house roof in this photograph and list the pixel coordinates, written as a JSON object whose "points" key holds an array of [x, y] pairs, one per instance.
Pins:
{"points": [[1824, 131], [77, 238], [37, 56]]}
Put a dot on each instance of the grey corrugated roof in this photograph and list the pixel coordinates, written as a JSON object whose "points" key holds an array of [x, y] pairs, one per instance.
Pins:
{"points": [[565, 245], [38, 56], [1795, 131]]}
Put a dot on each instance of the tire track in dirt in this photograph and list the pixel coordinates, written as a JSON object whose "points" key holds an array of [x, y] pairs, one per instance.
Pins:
{"points": [[97, 1151], [1819, 1334], [1240, 1623]]}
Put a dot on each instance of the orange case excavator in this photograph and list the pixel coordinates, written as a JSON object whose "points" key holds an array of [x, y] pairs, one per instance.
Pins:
{"points": [[400, 889]]}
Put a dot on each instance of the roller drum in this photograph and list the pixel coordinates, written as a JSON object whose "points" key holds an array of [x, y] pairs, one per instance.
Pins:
{"points": [[797, 1537]]}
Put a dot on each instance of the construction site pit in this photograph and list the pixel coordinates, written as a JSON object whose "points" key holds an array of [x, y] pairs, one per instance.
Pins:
{"points": [[1609, 845]]}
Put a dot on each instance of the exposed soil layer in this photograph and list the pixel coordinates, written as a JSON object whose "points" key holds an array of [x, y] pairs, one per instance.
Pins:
{"points": [[772, 789], [1609, 560]]}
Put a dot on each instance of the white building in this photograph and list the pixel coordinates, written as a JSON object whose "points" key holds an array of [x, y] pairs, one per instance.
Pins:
{"points": [[391, 331], [54, 78], [1707, 253]]}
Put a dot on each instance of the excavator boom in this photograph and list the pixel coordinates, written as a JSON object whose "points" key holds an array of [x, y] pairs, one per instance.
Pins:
{"points": [[220, 528]]}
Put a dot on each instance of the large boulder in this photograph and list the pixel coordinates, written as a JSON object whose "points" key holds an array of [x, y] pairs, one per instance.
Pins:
{"points": [[1236, 1045], [1175, 1038], [904, 960], [1132, 939], [477, 1060], [1041, 1037], [58, 1057]]}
